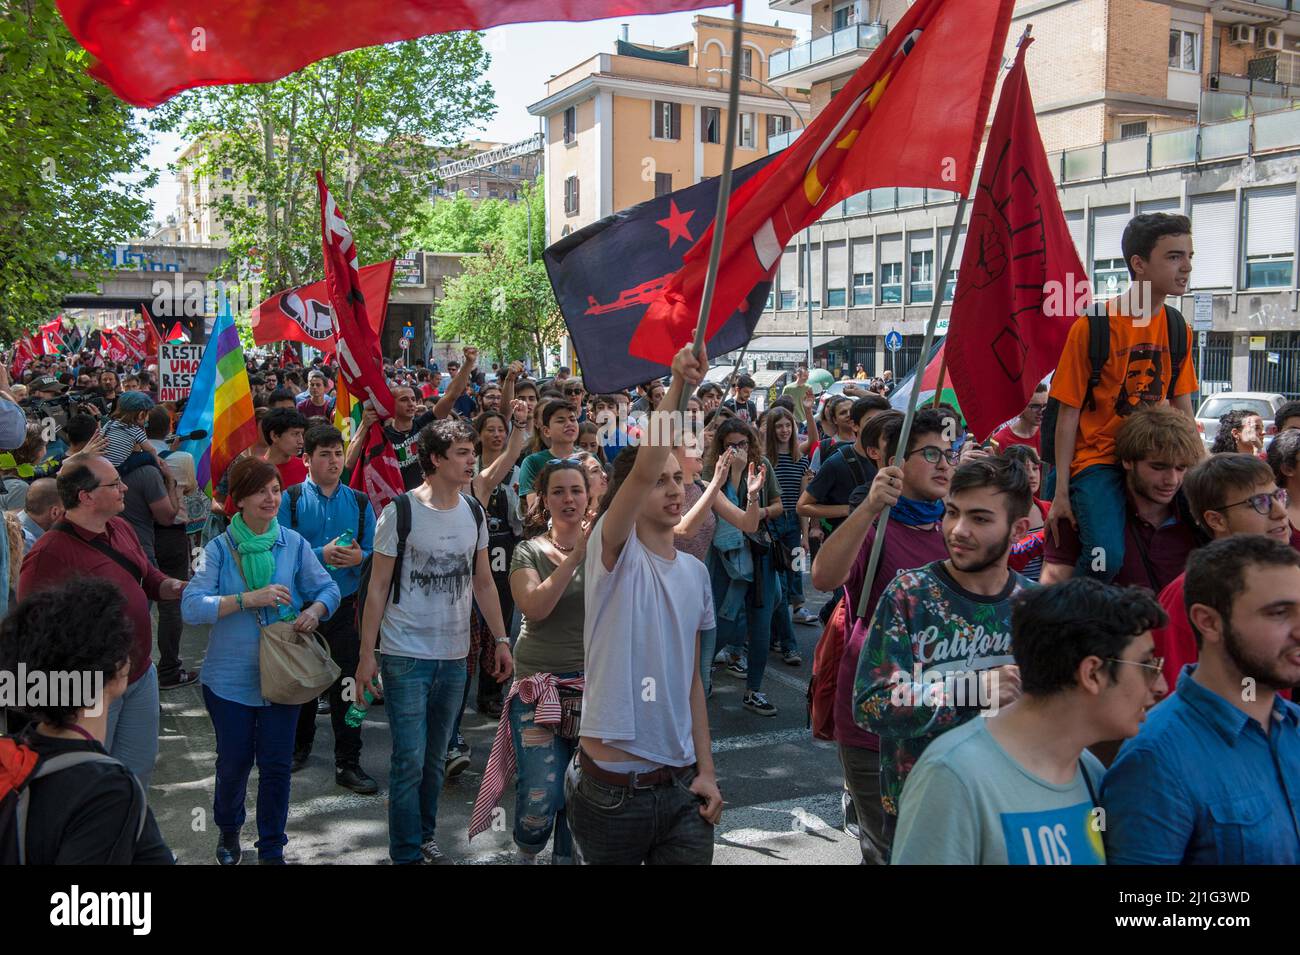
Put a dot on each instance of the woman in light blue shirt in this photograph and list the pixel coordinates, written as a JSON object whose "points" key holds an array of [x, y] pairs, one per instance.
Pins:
{"points": [[279, 569]]}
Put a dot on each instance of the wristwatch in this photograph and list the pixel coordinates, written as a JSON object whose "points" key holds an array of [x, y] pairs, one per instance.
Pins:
{"points": [[505, 640]]}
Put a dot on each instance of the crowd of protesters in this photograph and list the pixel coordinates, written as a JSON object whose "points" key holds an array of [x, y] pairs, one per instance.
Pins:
{"points": [[1088, 579]]}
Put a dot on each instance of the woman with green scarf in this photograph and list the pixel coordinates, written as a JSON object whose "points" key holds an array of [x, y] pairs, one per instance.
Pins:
{"points": [[281, 578]]}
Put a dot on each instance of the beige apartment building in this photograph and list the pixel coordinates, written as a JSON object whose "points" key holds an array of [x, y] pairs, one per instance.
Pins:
{"points": [[196, 219], [1177, 106], [626, 126]]}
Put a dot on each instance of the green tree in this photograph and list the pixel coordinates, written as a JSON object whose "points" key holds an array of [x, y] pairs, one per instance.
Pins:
{"points": [[458, 224], [375, 120], [65, 144], [502, 305]]}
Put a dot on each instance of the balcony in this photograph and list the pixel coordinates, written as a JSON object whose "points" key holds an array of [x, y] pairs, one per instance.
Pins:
{"points": [[835, 54], [778, 141], [1255, 133]]}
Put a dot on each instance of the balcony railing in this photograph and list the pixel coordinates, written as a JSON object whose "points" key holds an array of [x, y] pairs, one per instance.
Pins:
{"points": [[778, 141], [1260, 132], [859, 36]]}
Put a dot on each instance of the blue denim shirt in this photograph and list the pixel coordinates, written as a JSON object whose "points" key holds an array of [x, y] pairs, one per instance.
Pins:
{"points": [[322, 519], [1203, 784], [231, 668]]}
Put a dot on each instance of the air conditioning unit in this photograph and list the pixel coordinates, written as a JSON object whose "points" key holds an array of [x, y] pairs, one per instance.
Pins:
{"points": [[1241, 34], [1269, 38]]}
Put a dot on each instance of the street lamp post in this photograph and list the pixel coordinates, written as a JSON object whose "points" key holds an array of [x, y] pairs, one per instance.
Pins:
{"points": [[807, 232]]}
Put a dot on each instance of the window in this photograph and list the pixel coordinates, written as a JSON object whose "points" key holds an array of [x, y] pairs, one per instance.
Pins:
{"points": [[863, 286], [771, 299], [776, 125], [747, 63], [227, 174], [514, 169], [1184, 50], [835, 298], [711, 124], [663, 183], [1133, 130], [251, 201], [787, 301], [667, 119], [921, 278], [746, 131], [891, 283], [844, 16], [571, 196], [950, 287], [1109, 277], [571, 125], [227, 197], [1268, 271]]}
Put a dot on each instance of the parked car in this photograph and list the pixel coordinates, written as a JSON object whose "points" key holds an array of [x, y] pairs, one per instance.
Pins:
{"points": [[1262, 403]]}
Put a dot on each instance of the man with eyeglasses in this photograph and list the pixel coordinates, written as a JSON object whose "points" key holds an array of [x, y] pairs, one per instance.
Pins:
{"points": [[914, 538], [1155, 446], [93, 540], [1024, 430], [1020, 788], [1227, 494], [1214, 775]]}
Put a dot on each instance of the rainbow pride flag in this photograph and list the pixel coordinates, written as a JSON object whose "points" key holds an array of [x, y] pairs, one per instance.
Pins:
{"points": [[221, 403], [347, 415]]}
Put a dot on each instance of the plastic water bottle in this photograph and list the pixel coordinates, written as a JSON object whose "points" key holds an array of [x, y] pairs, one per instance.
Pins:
{"points": [[345, 539], [356, 712], [287, 613]]}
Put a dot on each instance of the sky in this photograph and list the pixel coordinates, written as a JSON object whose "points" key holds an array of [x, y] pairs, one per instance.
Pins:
{"points": [[524, 56]]}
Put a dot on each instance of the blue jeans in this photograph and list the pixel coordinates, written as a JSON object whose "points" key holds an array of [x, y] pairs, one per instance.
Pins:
{"points": [[132, 736], [787, 529], [422, 698], [1101, 508], [753, 623], [540, 756], [616, 825], [244, 734]]}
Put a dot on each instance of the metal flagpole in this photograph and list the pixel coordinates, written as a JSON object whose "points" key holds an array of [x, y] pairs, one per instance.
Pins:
{"points": [[863, 611], [879, 542], [724, 191]]}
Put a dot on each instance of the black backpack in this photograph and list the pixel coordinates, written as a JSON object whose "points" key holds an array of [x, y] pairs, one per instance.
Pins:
{"points": [[1098, 354], [295, 495], [403, 503]]}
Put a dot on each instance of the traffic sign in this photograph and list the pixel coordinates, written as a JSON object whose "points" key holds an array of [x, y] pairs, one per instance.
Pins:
{"points": [[893, 341], [408, 332], [405, 343], [1203, 312]]}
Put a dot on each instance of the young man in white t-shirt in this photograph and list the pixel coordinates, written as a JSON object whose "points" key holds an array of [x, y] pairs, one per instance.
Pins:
{"points": [[643, 787], [424, 635]]}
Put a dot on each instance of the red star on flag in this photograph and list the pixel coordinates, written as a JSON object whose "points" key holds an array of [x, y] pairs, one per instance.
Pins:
{"points": [[676, 224]]}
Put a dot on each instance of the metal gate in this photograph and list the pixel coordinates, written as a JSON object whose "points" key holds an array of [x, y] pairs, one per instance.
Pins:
{"points": [[906, 358], [862, 351], [1277, 367], [1218, 362]]}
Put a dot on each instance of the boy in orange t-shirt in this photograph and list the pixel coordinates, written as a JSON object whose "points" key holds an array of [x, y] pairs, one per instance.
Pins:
{"points": [[1089, 481]]}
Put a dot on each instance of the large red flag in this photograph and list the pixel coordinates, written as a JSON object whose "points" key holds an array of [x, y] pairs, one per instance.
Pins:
{"points": [[912, 115], [378, 474], [303, 314], [151, 338], [149, 50], [1021, 283], [52, 336], [26, 350], [360, 361]]}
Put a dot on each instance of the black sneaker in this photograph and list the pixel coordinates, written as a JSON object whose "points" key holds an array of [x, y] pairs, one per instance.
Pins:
{"points": [[323, 707], [183, 677], [300, 758], [228, 850], [356, 779], [757, 703]]}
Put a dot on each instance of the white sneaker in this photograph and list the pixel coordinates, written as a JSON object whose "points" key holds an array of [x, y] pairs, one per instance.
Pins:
{"points": [[431, 853]]}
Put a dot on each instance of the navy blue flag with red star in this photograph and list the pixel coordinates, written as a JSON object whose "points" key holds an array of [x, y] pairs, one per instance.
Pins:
{"points": [[606, 274]]}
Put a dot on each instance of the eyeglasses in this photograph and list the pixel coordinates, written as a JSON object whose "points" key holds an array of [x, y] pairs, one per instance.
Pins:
{"points": [[1261, 503], [119, 483], [573, 391], [1153, 669], [737, 444], [932, 454], [1037, 407]]}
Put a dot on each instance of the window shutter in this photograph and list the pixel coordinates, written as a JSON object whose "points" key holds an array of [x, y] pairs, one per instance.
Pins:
{"points": [[1107, 230], [1270, 221], [863, 256], [837, 255], [676, 109], [891, 250], [1213, 229], [1078, 232], [922, 241], [575, 196]]}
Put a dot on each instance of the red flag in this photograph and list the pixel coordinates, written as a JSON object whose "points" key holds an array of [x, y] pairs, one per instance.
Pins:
{"points": [[149, 50], [303, 314], [912, 115], [111, 341], [177, 334], [360, 361], [151, 339], [378, 474], [133, 342], [26, 349], [52, 336], [1021, 283]]}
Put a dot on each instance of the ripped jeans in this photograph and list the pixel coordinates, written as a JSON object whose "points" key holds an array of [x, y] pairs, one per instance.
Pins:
{"points": [[541, 758]]}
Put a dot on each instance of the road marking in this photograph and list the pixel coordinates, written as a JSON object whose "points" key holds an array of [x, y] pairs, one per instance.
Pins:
{"points": [[758, 824], [730, 744]]}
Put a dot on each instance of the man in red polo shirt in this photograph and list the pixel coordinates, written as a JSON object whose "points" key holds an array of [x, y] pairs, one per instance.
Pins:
{"points": [[93, 541], [1024, 430], [1228, 494], [1155, 446]]}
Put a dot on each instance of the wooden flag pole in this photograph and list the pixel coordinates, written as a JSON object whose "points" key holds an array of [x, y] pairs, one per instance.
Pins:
{"points": [[952, 241], [724, 188], [873, 565]]}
